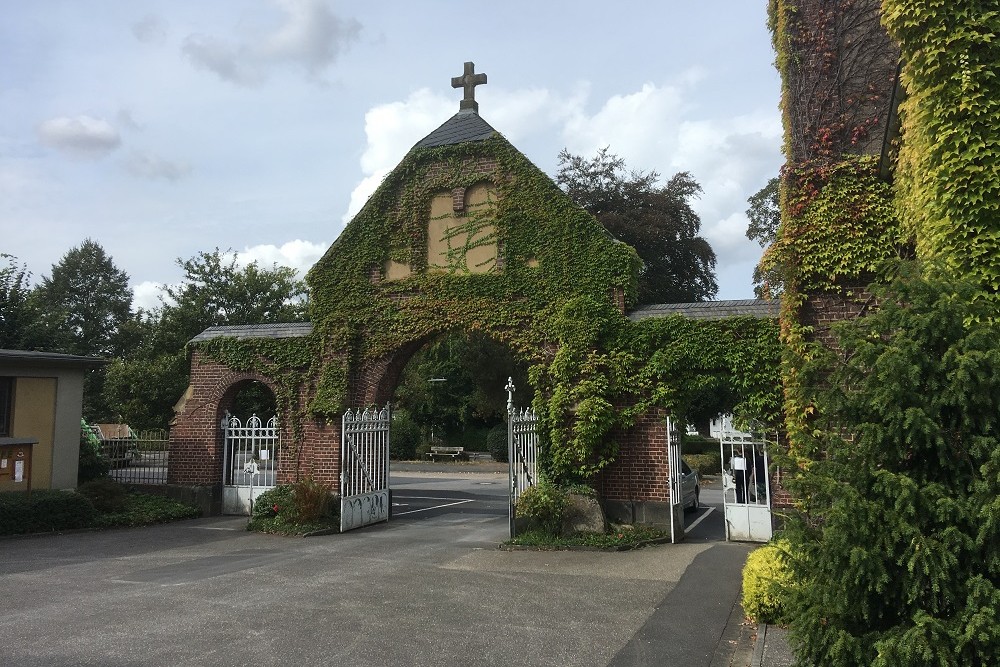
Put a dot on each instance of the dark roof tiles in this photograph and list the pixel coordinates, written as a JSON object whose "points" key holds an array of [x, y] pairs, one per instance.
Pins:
{"points": [[279, 330], [466, 125], [709, 310]]}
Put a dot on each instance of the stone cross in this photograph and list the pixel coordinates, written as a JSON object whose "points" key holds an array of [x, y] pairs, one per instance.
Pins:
{"points": [[469, 80]]}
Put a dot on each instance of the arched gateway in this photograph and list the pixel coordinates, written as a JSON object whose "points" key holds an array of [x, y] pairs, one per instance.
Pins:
{"points": [[466, 234]]}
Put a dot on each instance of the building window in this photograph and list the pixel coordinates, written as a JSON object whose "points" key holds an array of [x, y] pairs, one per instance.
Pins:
{"points": [[6, 405]]}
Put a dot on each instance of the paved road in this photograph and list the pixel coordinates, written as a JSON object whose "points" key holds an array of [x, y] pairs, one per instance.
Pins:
{"points": [[428, 588]]}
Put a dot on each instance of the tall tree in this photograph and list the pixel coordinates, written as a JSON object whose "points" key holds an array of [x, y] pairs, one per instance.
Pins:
{"points": [[85, 302], [764, 215], [215, 291], [82, 308], [16, 313], [658, 221]]}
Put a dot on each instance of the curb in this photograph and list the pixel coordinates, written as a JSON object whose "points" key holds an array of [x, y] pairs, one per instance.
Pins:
{"points": [[758, 647]]}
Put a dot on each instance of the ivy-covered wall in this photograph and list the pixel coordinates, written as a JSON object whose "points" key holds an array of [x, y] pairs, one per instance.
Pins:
{"points": [[948, 175], [555, 293], [839, 230]]}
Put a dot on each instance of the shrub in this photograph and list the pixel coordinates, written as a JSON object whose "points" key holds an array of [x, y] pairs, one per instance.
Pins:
{"points": [[106, 494], [544, 505], [44, 511], [403, 438], [496, 443], [767, 578], [312, 501], [273, 502], [705, 464], [697, 444], [143, 509], [92, 463]]}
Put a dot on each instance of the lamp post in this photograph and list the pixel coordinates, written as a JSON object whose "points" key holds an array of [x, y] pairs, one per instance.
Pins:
{"points": [[434, 382]]}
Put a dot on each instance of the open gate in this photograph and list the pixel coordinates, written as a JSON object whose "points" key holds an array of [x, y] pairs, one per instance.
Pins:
{"points": [[364, 467], [522, 450], [676, 482], [746, 484], [251, 455]]}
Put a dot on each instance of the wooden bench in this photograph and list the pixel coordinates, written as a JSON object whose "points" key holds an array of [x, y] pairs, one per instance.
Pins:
{"points": [[453, 452]]}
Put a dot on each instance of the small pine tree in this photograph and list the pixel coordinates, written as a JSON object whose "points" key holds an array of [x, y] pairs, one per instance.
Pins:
{"points": [[897, 540]]}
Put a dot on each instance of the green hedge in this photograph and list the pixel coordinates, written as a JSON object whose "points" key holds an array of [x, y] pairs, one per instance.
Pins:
{"points": [[705, 464]]}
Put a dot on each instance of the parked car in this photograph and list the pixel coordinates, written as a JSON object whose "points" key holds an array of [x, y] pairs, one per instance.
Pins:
{"points": [[690, 487]]}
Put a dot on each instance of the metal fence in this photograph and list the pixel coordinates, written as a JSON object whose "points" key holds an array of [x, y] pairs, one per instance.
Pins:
{"points": [[140, 458]]}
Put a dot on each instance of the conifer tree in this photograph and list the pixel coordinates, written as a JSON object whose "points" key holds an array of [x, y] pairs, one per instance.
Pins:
{"points": [[897, 539]]}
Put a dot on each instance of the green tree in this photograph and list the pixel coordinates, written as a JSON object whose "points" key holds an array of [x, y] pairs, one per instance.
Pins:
{"points": [[217, 291], [764, 215], [475, 370], [214, 291], [16, 313], [897, 542], [82, 308], [84, 304], [658, 221]]}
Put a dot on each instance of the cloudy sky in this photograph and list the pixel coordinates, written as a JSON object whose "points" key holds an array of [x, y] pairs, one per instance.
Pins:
{"points": [[162, 128]]}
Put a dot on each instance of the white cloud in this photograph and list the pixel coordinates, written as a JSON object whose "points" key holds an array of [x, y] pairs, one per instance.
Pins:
{"points": [[149, 165], [146, 295], [638, 126], [312, 36], [392, 129], [81, 136], [298, 254]]}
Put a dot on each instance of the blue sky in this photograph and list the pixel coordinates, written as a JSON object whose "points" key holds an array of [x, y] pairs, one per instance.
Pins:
{"points": [[164, 128]]}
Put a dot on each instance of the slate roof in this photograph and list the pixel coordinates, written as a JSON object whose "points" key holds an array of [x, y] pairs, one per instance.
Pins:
{"points": [[50, 358], [709, 310], [466, 125], [279, 330]]}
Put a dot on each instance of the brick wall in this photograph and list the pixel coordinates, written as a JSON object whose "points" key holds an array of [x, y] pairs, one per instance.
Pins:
{"points": [[641, 472]]}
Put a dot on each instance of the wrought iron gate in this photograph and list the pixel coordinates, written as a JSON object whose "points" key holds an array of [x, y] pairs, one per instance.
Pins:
{"points": [[522, 450], [676, 488], [251, 455], [364, 467], [746, 484]]}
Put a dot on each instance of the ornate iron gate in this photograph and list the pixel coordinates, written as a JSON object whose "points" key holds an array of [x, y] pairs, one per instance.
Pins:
{"points": [[251, 455], [746, 484], [364, 467], [676, 490], [522, 450]]}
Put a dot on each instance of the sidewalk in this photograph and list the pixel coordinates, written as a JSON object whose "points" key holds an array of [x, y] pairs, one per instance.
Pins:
{"points": [[771, 648]]}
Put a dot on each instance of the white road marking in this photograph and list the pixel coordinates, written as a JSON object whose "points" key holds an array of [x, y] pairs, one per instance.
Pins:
{"points": [[426, 509], [688, 529]]}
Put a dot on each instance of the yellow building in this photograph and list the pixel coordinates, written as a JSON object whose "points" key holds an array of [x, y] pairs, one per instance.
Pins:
{"points": [[41, 402]]}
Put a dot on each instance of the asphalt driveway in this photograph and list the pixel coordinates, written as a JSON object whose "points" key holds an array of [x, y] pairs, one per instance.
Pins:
{"points": [[428, 588]]}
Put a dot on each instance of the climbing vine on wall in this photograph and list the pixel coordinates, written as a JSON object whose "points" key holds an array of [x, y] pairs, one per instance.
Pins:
{"points": [[609, 370], [550, 299], [948, 176]]}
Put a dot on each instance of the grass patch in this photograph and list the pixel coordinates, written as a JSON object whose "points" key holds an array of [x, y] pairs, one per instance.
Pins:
{"points": [[295, 509], [619, 539]]}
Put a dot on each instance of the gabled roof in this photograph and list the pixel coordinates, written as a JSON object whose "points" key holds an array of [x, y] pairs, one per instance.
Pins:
{"points": [[709, 310], [465, 126], [279, 330]]}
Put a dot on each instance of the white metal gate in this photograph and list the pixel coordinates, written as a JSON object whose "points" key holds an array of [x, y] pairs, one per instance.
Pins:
{"points": [[746, 483], [251, 455], [676, 488], [522, 450], [364, 467]]}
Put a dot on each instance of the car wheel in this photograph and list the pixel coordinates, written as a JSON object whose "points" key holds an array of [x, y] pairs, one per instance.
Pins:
{"points": [[697, 501]]}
